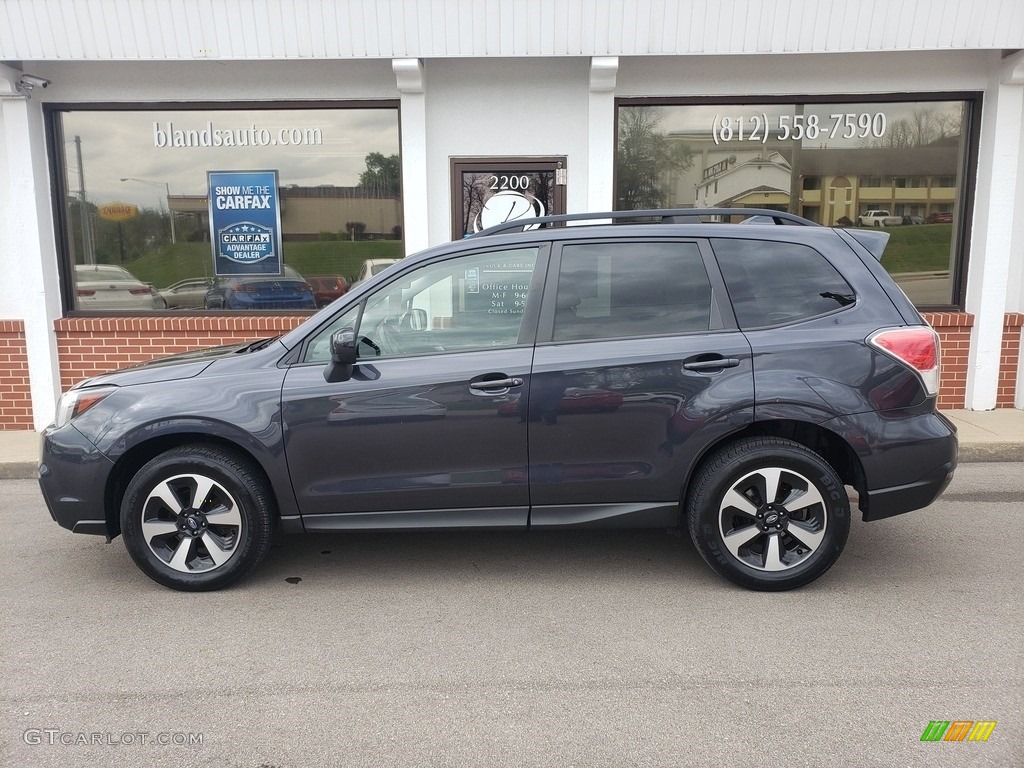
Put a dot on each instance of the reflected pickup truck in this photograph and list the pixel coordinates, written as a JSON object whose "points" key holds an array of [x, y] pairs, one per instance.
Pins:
{"points": [[879, 219]]}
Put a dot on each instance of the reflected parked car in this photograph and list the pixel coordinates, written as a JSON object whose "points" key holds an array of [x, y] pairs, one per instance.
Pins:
{"points": [[908, 220], [287, 291], [370, 268], [107, 286], [326, 288], [573, 400], [940, 217], [186, 294]]}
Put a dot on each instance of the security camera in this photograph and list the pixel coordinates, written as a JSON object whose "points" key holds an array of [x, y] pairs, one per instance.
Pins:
{"points": [[35, 82], [27, 82]]}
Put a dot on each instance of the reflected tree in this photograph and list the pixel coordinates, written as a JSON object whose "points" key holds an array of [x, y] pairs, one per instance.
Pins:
{"points": [[924, 127], [383, 175], [646, 160]]}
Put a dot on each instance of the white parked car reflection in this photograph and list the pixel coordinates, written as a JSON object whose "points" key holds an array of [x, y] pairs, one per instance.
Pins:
{"points": [[106, 286]]}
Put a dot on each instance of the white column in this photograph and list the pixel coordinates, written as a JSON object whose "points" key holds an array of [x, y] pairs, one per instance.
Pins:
{"points": [[410, 81], [1014, 74], [604, 71], [30, 291], [998, 188]]}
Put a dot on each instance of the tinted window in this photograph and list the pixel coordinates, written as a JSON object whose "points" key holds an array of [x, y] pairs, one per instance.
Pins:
{"points": [[774, 283], [614, 290]]}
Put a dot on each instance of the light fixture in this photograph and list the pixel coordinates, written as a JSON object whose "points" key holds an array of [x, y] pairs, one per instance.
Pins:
{"points": [[26, 84]]}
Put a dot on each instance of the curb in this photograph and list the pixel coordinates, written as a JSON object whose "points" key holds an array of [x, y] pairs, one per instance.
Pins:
{"points": [[991, 452], [18, 470]]}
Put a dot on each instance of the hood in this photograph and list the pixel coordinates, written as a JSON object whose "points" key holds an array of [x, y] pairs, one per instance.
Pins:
{"points": [[181, 366]]}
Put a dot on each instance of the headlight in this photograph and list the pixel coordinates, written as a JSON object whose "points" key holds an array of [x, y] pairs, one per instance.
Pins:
{"points": [[77, 401]]}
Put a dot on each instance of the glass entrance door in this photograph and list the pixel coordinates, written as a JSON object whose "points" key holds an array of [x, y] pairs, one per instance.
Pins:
{"points": [[488, 191]]}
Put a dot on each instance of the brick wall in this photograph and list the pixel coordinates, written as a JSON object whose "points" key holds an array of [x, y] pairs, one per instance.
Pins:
{"points": [[15, 398], [954, 329], [1009, 359], [94, 345], [88, 346]]}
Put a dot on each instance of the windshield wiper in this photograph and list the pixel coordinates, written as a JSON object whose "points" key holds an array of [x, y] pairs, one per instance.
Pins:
{"points": [[260, 344], [843, 299]]}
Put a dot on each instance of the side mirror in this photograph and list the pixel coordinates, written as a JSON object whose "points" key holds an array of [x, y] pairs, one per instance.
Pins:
{"points": [[415, 319], [343, 355]]}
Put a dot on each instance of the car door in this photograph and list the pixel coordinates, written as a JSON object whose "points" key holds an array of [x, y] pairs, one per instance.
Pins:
{"points": [[415, 437], [638, 367]]}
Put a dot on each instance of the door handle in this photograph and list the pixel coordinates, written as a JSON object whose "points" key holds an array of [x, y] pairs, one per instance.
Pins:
{"points": [[716, 364], [492, 384]]}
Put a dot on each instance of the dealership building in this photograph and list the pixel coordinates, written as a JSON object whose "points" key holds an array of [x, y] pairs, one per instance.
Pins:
{"points": [[376, 128]]}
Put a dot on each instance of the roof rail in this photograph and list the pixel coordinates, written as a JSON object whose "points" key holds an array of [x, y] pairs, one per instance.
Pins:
{"points": [[663, 215]]}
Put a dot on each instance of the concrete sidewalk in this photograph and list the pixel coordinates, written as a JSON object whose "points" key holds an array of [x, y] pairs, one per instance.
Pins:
{"points": [[984, 436]]}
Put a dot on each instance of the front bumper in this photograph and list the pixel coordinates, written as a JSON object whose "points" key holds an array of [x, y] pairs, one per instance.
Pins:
{"points": [[73, 477]]}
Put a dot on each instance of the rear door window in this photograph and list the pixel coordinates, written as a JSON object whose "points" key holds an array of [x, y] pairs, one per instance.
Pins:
{"points": [[621, 290]]}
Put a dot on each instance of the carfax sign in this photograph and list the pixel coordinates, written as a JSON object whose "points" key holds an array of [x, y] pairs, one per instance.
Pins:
{"points": [[245, 222]]}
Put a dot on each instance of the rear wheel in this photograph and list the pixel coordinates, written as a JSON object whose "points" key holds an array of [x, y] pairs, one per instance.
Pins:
{"points": [[768, 513], [197, 518]]}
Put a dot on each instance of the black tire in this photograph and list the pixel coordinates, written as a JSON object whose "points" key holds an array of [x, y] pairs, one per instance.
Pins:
{"points": [[201, 546], [808, 516]]}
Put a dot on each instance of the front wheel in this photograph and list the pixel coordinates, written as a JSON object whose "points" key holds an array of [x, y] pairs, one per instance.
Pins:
{"points": [[768, 513], [197, 518]]}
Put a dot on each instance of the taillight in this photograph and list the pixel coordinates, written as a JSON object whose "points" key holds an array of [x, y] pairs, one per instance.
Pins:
{"points": [[85, 292], [918, 347], [140, 291]]}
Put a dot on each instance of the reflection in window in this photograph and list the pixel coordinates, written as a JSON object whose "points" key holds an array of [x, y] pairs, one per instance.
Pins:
{"points": [[136, 198], [471, 302], [759, 274], [827, 162]]}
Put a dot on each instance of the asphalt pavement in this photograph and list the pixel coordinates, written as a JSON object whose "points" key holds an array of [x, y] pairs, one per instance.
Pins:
{"points": [[520, 649]]}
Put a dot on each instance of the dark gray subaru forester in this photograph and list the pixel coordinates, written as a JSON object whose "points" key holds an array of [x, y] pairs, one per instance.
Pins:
{"points": [[673, 370]]}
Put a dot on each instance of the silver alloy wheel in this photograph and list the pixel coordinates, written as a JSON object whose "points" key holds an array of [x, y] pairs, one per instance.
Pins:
{"points": [[191, 523], [772, 519]]}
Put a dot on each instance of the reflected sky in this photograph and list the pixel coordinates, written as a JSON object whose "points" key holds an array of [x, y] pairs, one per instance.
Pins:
{"points": [[118, 144]]}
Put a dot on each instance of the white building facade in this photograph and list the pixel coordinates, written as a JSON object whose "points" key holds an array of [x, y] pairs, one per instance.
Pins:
{"points": [[106, 102]]}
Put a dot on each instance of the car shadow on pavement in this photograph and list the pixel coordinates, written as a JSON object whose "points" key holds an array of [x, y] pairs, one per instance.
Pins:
{"points": [[597, 555]]}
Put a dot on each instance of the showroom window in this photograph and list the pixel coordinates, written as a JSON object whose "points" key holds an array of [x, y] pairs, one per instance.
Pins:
{"points": [[217, 207], [835, 161]]}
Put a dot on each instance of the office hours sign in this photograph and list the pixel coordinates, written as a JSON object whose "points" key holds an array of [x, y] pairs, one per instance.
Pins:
{"points": [[245, 222]]}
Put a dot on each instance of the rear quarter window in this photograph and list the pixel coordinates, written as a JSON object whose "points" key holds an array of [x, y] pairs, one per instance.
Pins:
{"points": [[775, 283]]}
